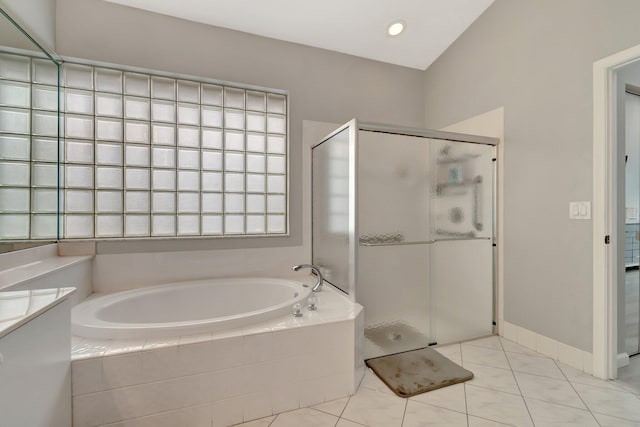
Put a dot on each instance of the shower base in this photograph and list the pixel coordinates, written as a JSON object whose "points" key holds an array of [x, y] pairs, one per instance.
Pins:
{"points": [[388, 338]]}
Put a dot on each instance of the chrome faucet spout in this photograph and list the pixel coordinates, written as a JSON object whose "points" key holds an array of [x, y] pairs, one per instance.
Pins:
{"points": [[319, 280]]}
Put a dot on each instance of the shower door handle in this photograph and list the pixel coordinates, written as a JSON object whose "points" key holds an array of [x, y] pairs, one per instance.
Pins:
{"points": [[477, 203]]}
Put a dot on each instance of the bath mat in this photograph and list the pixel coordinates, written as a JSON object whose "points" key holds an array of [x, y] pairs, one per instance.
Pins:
{"points": [[417, 371]]}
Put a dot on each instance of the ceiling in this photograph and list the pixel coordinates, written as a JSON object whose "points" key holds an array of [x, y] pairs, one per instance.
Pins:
{"points": [[355, 27]]}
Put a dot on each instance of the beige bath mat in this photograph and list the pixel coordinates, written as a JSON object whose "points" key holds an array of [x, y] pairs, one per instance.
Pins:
{"points": [[417, 371]]}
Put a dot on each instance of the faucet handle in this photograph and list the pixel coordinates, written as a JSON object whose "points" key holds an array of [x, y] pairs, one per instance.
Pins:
{"points": [[312, 302], [297, 310]]}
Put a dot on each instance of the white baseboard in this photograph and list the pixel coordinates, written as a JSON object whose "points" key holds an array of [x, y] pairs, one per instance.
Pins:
{"points": [[622, 359], [574, 357]]}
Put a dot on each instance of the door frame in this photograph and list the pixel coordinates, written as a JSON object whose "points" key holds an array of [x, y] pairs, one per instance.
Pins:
{"points": [[605, 212]]}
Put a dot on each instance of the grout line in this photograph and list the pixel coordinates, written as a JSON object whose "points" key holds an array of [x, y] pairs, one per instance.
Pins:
{"points": [[404, 413], [518, 385], [578, 394], [613, 416], [273, 420], [344, 408], [464, 387]]}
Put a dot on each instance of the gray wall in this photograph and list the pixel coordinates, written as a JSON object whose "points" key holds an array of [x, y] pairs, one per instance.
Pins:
{"points": [[12, 37], [535, 59], [323, 86], [35, 16]]}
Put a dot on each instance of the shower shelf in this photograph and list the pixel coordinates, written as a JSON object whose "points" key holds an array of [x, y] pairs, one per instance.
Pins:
{"points": [[463, 158], [421, 242], [468, 183]]}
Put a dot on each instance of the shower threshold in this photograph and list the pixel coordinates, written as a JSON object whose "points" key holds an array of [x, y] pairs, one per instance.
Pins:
{"points": [[389, 338]]}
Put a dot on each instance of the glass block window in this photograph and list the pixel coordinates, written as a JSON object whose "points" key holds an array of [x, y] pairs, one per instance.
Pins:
{"points": [[28, 148], [146, 155]]}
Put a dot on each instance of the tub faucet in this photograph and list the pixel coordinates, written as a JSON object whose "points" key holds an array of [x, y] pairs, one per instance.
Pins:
{"points": [[319, 280]]}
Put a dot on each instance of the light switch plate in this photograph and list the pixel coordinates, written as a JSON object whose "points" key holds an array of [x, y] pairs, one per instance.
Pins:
{"points": [[579, 210]]}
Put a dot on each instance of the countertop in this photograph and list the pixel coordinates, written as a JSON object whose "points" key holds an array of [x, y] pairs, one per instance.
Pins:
{"points": [[19, 307]]}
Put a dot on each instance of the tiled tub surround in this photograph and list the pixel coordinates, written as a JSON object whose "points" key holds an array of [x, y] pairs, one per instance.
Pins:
{"points": [[221, 378]]}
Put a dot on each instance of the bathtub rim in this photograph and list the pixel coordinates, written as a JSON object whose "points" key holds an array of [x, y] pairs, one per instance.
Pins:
{"points": [[98, 329], [335, 307]]}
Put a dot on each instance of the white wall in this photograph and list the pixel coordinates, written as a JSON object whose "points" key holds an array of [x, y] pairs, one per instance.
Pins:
{"points": [[535, 59]]}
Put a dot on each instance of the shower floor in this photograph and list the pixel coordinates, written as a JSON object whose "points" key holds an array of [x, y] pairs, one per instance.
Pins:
{"points": [[389, 338]]}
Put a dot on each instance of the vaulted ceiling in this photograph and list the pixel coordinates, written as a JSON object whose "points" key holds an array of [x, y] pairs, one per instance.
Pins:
{"points": [[355, 27]]}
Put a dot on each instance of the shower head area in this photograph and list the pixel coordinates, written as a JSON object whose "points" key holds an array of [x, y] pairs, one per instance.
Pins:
{"points": [[403, 223]]}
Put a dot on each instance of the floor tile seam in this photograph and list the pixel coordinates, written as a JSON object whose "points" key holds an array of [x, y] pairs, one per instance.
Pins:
{"points": [[520, 390], [539, 375], [404, 413], [536, 355], [617, 389], [489, 366], [438, 406], [386, 393], [520, 349], [628, 388], [495, 389], [464, 388], [586, 408], [323, 412], [326, 412], [345, 407], [352, 421], [615, 416], [482, 346], [466, 407], [576, 391], [493, 421]]}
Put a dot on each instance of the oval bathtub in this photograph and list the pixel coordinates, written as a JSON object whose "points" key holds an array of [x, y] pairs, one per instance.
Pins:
{"points": [[185, 308]]}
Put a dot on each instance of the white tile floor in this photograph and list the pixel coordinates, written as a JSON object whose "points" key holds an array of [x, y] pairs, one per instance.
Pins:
{"points": [[512, 386]]}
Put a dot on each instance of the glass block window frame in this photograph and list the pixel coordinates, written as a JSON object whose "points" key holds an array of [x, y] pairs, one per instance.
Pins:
{"points": [[150, 155]]}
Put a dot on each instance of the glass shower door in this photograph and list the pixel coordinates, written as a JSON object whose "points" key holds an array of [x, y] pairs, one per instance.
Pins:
{"points": [[394, 182], [462, 233]]}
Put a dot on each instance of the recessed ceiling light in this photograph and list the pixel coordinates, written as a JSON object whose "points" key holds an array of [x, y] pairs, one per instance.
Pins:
{"points": [[396, 27]]}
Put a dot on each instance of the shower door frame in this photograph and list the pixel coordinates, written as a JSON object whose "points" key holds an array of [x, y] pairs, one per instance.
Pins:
{"points": [[430, 134], [354, 127]]}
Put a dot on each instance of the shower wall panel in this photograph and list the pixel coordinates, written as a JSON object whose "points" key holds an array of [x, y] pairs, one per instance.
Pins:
{"points": [[332, 212]]}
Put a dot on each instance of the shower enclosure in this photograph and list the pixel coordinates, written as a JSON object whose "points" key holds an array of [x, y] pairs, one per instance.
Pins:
{"points": [[403, 222]]}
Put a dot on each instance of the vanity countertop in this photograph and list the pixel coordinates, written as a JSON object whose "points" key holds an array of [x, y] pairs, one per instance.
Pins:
{"points": [[19, 307]]}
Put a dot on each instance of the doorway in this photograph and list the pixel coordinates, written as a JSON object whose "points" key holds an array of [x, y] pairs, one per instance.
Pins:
{"points": [[609, 211], [630, 321]]}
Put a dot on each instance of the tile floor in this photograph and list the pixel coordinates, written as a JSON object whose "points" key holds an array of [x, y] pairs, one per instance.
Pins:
{"points": [[512, 386]]}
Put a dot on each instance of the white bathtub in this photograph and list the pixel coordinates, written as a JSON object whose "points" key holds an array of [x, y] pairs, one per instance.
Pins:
{"points": [[185, 308]]}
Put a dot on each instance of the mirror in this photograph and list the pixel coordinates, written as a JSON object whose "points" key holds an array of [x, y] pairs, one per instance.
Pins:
{"points": [[28, 204]]}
